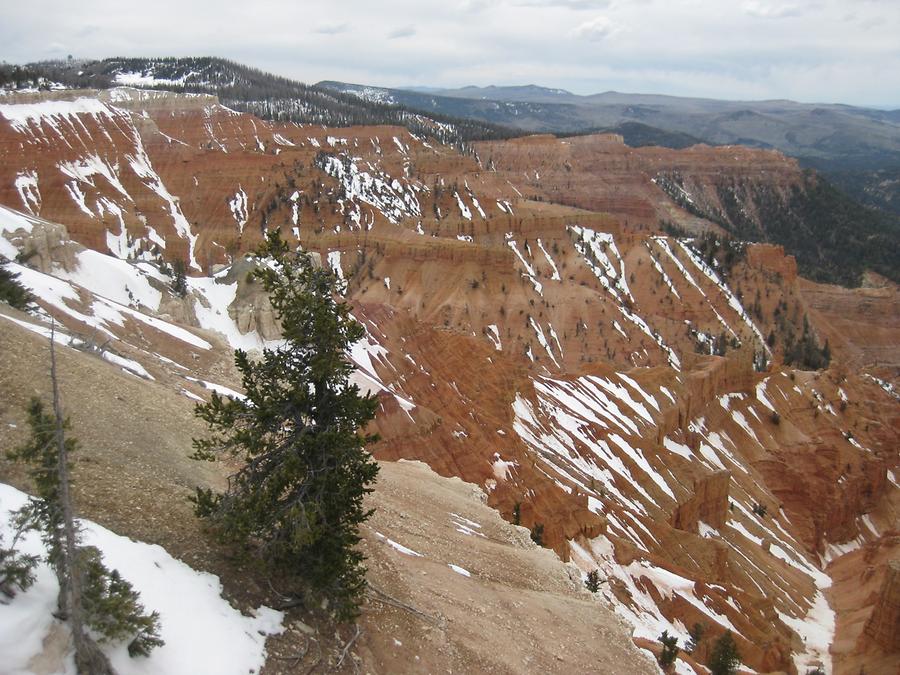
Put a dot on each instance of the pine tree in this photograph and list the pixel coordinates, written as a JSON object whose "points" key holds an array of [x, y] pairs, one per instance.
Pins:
{"points": [[297, 501], [93, 599], [179, 278], [593, 581], [16, 569], [112, 606], [696, 635], [12, 292], [669, 649], [537, 534], [725, 657]]}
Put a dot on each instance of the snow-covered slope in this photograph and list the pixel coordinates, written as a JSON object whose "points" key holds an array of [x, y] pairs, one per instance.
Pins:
{"points": [[620, 388], [202, 632]]}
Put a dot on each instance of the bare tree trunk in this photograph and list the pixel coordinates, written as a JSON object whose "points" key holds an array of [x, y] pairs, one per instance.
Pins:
{"points": [[89, 660]]}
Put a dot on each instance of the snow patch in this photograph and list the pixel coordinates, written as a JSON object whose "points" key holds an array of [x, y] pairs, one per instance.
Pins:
{"points": [[202, 632]]}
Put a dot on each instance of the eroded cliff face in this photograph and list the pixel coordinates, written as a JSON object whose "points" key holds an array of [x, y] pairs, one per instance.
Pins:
{"points": [[864, 596], [883, 625], [529, 330], [642, 186], [708, 503]]}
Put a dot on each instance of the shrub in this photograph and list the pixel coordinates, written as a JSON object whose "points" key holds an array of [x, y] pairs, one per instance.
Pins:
{"points": [[669, 650], [725, 657], [12, 292]]}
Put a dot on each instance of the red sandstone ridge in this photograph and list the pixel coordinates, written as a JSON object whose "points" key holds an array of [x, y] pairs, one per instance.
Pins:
{"points": [[865, 597], [773, 259], [599, 172], [562, 356], [883, 625], [708, 503]]}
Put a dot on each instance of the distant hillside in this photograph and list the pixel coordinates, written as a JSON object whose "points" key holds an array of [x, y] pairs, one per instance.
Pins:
{"points": [[533, 116], [876, 185], [250, 90], [852, 145], [834, 238], [637, 135], [837, 132]]}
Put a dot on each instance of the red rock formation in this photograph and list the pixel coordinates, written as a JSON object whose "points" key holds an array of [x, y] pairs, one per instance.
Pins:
{"points": [[773, 259], [708, 503], [477, 330], [883, 625]]}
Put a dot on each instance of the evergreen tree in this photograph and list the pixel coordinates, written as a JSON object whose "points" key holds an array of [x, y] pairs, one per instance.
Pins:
{"points": [[593, 581], [725, 657], [805, 352], [179, 278], [112, 606], [537, 534], [669, 650], [696, 634], [297, 501], [12, 292], [95, 601], [16, 569]]}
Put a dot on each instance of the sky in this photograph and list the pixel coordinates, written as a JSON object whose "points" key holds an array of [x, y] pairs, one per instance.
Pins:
{"points": [[822, 51]]}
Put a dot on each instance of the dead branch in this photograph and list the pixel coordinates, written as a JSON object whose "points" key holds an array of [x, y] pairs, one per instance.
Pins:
{"points": [[386, 599], [348, 645]]}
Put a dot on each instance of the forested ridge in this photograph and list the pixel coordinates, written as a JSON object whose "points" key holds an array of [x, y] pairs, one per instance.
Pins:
{"points": [[251, 90], [834, 238]]}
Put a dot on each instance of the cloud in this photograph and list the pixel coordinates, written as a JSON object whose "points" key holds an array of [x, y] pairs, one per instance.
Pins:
{"points": [[474, 5], [402, 32], [873, 22], [331, 29], [748, 49], [594, 30], [87, 31], [568, 4], [771, 10]]}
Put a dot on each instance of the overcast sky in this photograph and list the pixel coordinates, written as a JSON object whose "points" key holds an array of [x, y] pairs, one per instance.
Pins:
{"points": [[845, 51]]}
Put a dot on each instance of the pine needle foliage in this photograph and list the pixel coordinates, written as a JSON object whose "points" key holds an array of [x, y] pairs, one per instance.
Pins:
{"points": [[44, 510], [16, 568], [725, 657], [12, 292], [109, 605], [297, 502], [112, 607], [669, 652]]}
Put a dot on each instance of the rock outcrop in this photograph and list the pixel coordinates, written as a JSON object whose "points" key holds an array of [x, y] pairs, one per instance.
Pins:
{"points": [[883, 625], [708, 503], [773, 259]]}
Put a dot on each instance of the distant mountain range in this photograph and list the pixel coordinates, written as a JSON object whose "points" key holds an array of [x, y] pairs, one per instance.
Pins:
{"points": [[858, 147], [249, 90], [799, 129]]}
